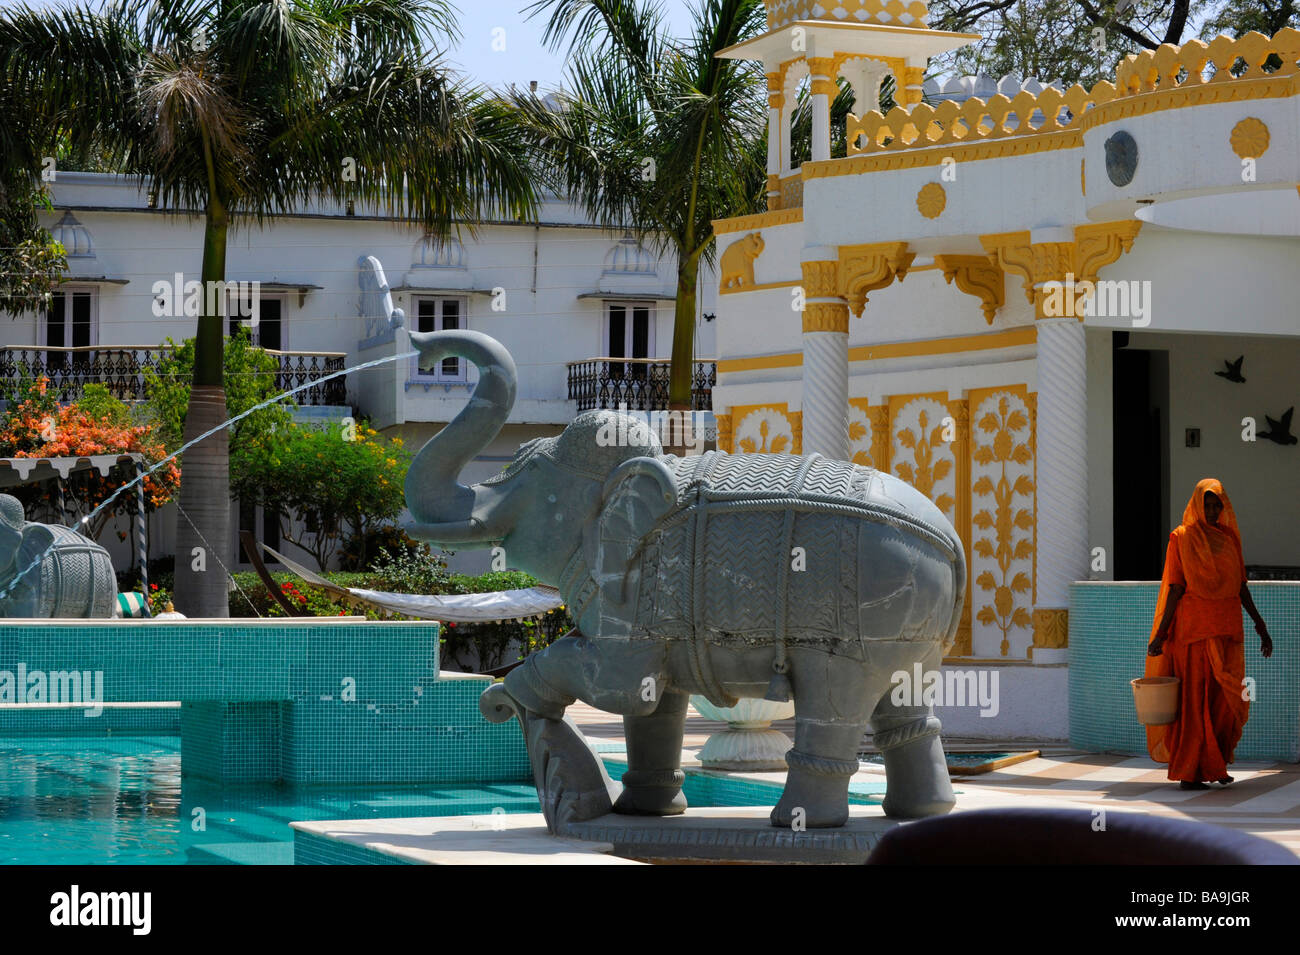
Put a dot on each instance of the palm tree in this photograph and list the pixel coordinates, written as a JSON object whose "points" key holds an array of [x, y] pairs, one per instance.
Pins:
{"points": [[249, 108], [656, 133]]}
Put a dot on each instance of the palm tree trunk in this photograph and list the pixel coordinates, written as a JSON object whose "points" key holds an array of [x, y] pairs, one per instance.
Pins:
{"points": [[682, 369], [203, 524]]}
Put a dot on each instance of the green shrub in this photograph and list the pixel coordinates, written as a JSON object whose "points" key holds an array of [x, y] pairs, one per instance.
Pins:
{"points": [[361, 550]]}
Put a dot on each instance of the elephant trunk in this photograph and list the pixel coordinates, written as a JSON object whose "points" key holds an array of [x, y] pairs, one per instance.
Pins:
{"points": [[434, 496]]}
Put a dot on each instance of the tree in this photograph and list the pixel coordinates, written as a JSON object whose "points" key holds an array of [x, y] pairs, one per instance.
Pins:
{"points": [[1083, 40], [248, 379], [655, 133], [31, 262], [249, 108], [321, 479], [1073, 40]]}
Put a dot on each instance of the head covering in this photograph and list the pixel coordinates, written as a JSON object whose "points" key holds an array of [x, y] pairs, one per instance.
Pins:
{"points": [[1210, 554]]}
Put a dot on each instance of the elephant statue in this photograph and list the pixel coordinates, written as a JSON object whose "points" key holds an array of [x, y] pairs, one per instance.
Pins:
{"points": [[731, 576], [74, 576]]}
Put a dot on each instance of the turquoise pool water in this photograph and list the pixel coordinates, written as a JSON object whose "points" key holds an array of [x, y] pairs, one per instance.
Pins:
{"points": [[121, 800]]}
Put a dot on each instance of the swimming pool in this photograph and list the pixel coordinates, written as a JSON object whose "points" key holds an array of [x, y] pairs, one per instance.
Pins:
{"points": [[121, 800]]}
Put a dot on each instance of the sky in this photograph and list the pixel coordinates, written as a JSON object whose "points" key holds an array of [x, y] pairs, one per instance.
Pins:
{"points": [[523, 57]]}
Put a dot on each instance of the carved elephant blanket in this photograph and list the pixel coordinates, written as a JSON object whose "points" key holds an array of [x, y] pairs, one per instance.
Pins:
{"points": [[764, 548]]}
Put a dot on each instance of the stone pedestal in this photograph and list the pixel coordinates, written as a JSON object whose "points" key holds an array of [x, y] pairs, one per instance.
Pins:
{"points": [[748, 744]]}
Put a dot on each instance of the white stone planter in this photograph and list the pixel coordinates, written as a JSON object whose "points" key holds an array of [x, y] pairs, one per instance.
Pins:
{"points": [[748, 743]]}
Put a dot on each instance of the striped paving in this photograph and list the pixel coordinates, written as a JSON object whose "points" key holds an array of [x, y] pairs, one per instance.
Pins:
{"points": [[1264, 799]]}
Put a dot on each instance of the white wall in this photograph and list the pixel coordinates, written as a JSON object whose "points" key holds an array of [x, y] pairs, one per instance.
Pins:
{"points": [[542, 269], [1262, 477]]}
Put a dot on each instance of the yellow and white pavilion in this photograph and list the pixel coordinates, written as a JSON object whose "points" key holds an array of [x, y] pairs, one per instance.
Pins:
{"points": [[960, 299]]}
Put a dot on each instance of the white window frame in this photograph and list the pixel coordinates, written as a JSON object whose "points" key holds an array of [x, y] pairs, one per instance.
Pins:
{"points": [[280, 297], [70, 289], [649, 305], [462, 322]]}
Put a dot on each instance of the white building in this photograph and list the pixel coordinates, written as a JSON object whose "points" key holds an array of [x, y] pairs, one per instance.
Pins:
{"points": [[561, 294], [1061, 442]]}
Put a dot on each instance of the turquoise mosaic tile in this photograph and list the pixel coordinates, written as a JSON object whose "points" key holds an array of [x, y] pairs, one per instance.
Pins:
{"points": [[324, 702], [311, 849], [1110, 624], [33, 721]]}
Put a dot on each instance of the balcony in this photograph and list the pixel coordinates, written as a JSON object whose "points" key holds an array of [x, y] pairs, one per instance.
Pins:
{"points": [[121, 370], [638, 384]]}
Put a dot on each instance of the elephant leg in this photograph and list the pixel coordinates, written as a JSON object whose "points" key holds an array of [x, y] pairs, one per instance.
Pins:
{"points": [[652, 785], [832, 702], [824, 759], [625, 677], [915, 767], [541, 686]]}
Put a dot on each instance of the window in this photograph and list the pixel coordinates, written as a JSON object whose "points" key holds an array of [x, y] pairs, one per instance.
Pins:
{"points": [[629, 333], [435, 315], [269, 330], [70, 322]]}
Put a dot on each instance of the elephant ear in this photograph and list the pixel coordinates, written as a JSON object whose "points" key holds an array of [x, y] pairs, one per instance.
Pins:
{"points": [[635, 497], [36, 540], [11, 540]]}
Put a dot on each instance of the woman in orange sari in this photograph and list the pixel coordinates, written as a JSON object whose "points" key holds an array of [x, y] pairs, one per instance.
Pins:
{"points": [[1197, 636]]}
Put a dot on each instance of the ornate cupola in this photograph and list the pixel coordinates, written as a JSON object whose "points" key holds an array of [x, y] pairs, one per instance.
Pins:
{"points": [[823, 41], [74, 236]]}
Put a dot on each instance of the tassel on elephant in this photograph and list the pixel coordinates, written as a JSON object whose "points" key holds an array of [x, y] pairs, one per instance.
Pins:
{"points": [[724, 575]]}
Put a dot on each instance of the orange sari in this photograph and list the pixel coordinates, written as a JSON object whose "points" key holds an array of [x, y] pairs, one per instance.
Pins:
{"points": [[1205, 647]]}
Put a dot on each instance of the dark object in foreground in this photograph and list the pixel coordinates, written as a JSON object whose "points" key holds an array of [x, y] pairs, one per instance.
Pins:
{"points": [[1068, 837]]}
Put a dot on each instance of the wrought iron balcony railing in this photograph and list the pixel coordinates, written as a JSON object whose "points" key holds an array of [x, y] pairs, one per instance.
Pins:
{"points": [[638, 384], [120, 368]]}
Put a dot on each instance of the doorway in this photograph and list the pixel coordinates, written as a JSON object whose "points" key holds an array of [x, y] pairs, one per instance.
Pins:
{"points": [[1140, 393]]}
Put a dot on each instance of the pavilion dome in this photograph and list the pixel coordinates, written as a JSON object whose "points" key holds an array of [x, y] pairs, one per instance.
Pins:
{"points": [[628, 257], [74, 236], [432, 252], [906, 13]]}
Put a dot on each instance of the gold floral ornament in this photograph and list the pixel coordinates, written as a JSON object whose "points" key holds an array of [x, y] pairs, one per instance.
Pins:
{"points": [[860, 437], [1249, 138], [1000, 545], [767, 442], [931, 200], [927, 470]]}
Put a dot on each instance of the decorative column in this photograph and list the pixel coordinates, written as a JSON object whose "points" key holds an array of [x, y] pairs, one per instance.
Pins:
{"points": [[776, 140], [910, 91], [1061, 419], [822, 90], [825, 416], [1062, 480]]}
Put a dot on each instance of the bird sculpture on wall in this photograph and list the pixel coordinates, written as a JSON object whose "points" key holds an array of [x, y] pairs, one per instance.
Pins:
{"points": [[1233, 372], [1280, 431]]}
